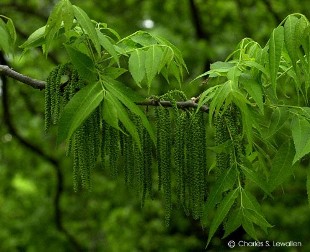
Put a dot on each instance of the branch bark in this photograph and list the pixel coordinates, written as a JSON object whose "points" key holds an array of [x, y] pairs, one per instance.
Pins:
{"points": [[37, 84]]}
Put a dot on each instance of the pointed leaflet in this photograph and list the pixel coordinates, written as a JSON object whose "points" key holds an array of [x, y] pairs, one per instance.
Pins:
{"points": [[234, 221], [87, 25], [122, 115], [53, 25], [152, 62], [290, 39], [275, 49], [109, 111], [277, 120], [225, 182], [7, 34], [222, 211], [128, 97], [249, 228], [78, 109], [143, 38], [5, 40], [35, 39], [106, 43], [136, 65], [256, 178], [281, 167], [253, 209], [82, 63], [301, 135], [254, 89]]}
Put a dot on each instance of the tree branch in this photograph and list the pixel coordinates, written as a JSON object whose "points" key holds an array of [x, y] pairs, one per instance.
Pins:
{"points": [[181, 105], [6, 70], [38, 84]]}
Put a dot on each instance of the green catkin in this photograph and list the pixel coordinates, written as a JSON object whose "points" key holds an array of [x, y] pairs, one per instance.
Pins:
{"points": [[187, 191], [112, 148], [159, 129], [147, 163], [103, 131], [139, 161], [164, 158], [221, 136], [197, 153], [234, 126], [179, 155], [83, 153], [57, 96], [128, 160], [50, 97], [76, 174]]}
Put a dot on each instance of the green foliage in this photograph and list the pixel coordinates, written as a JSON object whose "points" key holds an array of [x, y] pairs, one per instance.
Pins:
{"points": [[7, 34], [258, 137]]}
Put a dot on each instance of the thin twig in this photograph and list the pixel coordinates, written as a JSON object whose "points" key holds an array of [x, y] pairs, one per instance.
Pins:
{"points": [[181, 104]]}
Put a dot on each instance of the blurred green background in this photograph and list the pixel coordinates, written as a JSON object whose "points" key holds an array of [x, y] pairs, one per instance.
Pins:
{"points": [[39, 211]]}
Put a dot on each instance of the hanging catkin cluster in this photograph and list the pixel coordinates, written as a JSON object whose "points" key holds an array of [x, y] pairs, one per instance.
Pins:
{"points": [[180, 152], [228, 129], [62, 83], [181, 143]]}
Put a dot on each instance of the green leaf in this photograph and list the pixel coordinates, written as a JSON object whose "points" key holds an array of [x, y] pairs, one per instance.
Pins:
{"points": [[53, 25], [256, 65], [225, 182], [88, 26], [127, 97], [249, 228], [109, 111], [234, 221], [277, 120], [35, 39], [108, 46], [220, 96], [167, 58], [281, 167], [253, 209], [177, 53], [275, 49], [82, 63], [114, 72], [174, 70], [78, 109], [222, 211], [136, 65], [301, 135], [122, 115], [254, 89], [153, 58], [143, 38], [5, 40], [257, 179], [10, 29], [290, 39], [67, 15], [222, 67], [256, 218]]}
